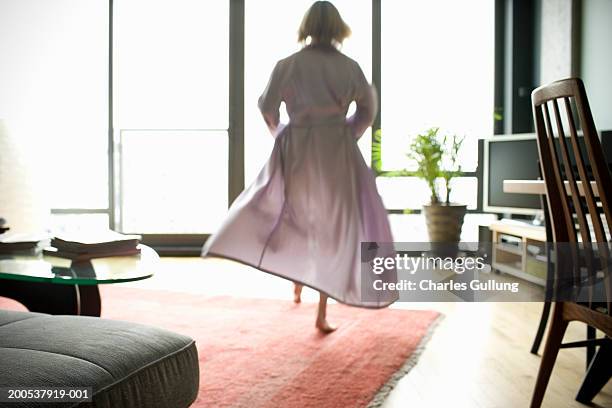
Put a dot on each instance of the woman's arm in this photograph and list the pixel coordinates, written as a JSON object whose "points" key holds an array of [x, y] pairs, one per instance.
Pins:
{"points": [[366, 101], [270, 100]]}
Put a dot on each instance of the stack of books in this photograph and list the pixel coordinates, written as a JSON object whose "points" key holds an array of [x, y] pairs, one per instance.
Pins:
{"points": [[22, 244], [82, 247]]}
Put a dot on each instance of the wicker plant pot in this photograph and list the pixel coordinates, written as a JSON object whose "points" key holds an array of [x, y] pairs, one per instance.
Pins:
{"points": [[444, 222]]}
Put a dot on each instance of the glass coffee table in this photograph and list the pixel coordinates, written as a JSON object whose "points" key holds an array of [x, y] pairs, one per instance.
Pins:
{"points": [[53, 285]]}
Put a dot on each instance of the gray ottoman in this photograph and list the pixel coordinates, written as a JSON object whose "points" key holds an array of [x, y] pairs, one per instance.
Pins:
{"points": [[126, 364]]}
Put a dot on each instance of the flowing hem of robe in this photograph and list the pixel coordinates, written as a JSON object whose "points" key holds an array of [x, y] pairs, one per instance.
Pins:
{"points": [[306, 215], [364, 305]]}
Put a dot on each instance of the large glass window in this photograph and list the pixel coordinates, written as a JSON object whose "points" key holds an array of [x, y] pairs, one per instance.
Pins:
{"points": [[54, 82], [172, 104], [269, 38], [437, 71], [171, 100]]}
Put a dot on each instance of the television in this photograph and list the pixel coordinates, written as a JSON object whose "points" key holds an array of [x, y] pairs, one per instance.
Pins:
{"points": [[513, 157]]}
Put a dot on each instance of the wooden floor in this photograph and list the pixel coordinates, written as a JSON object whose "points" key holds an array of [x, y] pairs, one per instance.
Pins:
{"points": [[478, 356]]}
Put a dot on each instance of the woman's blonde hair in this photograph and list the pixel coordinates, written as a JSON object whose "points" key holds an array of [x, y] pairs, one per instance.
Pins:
{"points": [[323, 24]]}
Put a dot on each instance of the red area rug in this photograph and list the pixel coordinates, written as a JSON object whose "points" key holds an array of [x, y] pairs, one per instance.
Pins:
{"points": [[267, 353]]}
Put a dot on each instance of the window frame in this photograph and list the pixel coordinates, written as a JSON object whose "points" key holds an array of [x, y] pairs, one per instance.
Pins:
{"points": [[190, 244]]}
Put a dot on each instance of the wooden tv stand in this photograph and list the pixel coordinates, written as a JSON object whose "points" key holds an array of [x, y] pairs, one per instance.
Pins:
{"points": [[519, 249]]}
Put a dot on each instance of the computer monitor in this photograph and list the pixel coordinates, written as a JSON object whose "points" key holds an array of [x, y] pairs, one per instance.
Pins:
{"points": [[513, 157]]}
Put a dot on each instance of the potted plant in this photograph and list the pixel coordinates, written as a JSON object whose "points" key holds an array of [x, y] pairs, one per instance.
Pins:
{"points": [[437, 157]]}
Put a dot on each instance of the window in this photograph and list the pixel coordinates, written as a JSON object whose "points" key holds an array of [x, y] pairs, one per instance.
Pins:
{"points": [[437, 71], [171, 123], [54, 81]]}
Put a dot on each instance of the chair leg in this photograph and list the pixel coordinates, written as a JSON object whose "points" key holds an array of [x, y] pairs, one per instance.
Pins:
{"points": [[541, 328], [553, 342], [598, 374], [591, 348]]}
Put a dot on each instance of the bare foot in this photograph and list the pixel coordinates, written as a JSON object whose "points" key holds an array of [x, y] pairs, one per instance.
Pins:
{"points": [[321, 323], [297, 293], [325, 327]]}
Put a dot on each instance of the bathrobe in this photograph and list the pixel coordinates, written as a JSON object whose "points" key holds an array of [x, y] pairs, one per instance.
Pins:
{"points": [[315, 200]]}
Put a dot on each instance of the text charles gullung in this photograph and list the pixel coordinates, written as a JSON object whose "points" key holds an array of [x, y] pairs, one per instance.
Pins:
{"points": [[448, 286]]}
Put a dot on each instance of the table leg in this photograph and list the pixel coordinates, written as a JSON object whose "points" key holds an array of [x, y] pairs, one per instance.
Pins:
{"points": [[45, 297], [90, 302]]}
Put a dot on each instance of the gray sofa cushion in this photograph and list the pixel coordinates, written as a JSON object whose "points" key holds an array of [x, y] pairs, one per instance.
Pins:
{"points": [[127, 364]]}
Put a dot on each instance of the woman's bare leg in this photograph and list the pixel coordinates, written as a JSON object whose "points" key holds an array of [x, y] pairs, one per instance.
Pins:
{"points": [[322, 323], [297, 292]]}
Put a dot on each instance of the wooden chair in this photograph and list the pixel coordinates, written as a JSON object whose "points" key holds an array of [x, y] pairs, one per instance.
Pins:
{"points": [[578, 217]]}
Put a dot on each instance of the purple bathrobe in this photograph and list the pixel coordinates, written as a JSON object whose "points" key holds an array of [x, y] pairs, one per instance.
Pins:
{"points": [[315, 200]]}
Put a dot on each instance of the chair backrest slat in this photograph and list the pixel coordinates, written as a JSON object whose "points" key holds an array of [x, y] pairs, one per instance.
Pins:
{"points": [[578, 156], [569, 173], [553, 159]]}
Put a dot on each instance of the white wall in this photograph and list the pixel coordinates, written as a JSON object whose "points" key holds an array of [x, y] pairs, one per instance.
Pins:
{"points": [[556, 40], [596, 59]]}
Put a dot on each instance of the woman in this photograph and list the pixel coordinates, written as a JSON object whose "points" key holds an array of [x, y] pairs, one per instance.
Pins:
{"points": [[315, 200]]}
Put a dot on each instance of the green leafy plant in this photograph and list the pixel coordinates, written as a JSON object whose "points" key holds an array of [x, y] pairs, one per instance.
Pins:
{"points": [[498, 113], [427, 151], [436, 157], [377, 152]]}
